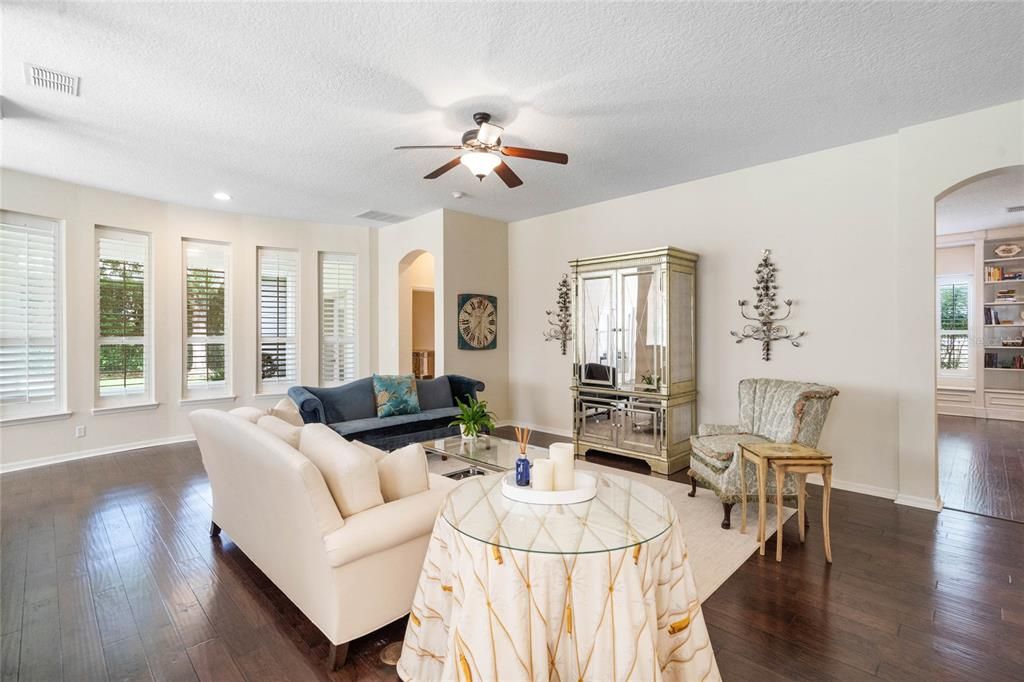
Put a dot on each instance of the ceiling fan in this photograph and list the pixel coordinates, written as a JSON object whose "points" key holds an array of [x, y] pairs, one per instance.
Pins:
{"points": [[482, 148]]}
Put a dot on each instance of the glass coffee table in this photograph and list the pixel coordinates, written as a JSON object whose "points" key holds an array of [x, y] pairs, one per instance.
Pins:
{"points": [[483, 455]]}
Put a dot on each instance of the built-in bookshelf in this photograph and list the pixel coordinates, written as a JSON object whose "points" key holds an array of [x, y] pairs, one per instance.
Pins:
{"points": [[995, 387], [1003, 318]]}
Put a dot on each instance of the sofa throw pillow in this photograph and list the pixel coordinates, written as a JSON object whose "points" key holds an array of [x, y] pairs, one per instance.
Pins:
{"points": [[349, 472], [286, 410], [376, 453], [252, 414], [282, 429], [403, 472], [396, 394]]}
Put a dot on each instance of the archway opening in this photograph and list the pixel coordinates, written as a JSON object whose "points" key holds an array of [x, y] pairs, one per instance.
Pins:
{"points": [[416, 311], [979, 336]]}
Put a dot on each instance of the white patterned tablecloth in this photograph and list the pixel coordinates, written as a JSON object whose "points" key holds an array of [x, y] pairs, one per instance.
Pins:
{"points": [[486, 612]]}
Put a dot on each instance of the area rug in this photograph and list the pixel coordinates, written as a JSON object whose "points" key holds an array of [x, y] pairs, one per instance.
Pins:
{"points": [[715, 553]]}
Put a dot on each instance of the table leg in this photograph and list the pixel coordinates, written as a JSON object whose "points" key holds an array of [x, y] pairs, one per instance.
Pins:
{"points": [[762, 503], [801, 500], [826, 477], [743, 492], [780, 472]]}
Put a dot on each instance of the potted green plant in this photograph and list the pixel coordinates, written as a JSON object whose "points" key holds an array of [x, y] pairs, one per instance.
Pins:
{"points": [[474, 418]]}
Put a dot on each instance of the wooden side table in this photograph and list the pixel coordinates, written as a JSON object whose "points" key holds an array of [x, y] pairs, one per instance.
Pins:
{"points": [[786, 458]]}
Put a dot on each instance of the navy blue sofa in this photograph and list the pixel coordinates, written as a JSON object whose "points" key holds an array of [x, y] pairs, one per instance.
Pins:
{"points": [[351, 410]]}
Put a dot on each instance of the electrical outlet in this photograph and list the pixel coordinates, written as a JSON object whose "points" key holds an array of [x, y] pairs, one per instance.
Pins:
{"points": [[79, 432]]}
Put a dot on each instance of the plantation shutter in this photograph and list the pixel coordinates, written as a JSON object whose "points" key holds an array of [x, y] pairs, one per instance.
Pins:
{"points": [[207, 324], [278, 277], [123, 314], [30, 317], [337, 318]]}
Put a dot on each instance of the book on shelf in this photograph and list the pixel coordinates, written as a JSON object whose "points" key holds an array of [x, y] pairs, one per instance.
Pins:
{"points": [[988, 316]]}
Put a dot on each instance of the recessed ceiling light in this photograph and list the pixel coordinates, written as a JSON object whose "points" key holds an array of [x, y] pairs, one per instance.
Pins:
{"points": [[222, 196]]}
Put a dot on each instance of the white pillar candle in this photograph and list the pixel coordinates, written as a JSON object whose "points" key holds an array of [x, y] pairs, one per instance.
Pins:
{"points": [[563, 457], [542, 475]]}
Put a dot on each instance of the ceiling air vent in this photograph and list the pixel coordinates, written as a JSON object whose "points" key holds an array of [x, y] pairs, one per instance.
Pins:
{"points": [[1015, 209], [382, 217], [49, 79]]}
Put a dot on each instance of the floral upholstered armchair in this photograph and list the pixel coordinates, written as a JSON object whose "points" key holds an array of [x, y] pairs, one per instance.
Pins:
{"points": [[771, 410]]}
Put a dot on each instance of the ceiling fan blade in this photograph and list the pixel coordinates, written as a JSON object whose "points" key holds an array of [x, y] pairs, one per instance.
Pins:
{"points": [[507, 175], [431, 146], [536, 154], [443, 169]]}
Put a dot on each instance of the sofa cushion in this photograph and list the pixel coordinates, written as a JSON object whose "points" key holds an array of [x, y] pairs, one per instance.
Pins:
{"points": [[282, 429], [403, 472], [395, 394], [354, 400], [376, 453], [406, 423], [349, 471], [434, 393], [719, 450], [251, 414], [286, 410]]}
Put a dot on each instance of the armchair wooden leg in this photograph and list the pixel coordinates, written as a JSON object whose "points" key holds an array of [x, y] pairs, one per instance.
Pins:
{"points": [[214, 529], [727, 520], [336, 656], [693, 487]]}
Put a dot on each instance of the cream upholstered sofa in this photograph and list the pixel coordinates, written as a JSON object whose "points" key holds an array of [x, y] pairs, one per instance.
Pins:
{"points": [[771, 410], [348, 576]]}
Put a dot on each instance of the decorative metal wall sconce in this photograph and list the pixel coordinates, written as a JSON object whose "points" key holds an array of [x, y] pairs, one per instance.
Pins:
{"points": [[561, 318], [767, 328]]}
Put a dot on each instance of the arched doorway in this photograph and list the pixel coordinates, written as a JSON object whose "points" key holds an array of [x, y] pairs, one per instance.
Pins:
{"points": [[979, 313], [416, 313]]}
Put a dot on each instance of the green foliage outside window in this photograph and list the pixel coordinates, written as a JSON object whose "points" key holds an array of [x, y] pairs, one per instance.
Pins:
{"points": [[953, 317], [122, 313]]}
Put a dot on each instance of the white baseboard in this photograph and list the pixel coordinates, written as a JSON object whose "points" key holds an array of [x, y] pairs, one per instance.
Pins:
{"points": [[567, 433], [854, 487], [96, 452], [930, 503]]}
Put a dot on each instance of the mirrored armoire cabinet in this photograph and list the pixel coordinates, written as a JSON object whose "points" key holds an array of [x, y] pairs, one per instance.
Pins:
{"points": [[634, 384]]}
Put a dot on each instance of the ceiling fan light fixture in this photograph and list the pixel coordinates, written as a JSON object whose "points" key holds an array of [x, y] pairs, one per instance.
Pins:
{"points": [[480, 163]]}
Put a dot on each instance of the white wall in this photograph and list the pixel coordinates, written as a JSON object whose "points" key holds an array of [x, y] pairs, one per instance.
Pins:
{"points": [[828, 219], [933, 158], [954, 260], [81, 208], [394, 244], [853, 231]]}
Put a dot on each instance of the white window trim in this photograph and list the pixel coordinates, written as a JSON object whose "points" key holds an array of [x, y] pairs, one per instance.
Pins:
{"points": [[940, 281], [216, 393], [58, 409], [276, 388], [320, 315], [144, 400]]}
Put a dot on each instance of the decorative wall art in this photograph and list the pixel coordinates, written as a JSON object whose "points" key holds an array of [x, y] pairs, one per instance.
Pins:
{"points": [[767, 328], [560, 318], [477, 322]]}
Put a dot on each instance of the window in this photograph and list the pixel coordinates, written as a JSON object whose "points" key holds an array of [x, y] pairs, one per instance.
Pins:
{"points": [[337, 318], [31, 300], [278, 275], [207, 320], [124, 335], [953, 302]]}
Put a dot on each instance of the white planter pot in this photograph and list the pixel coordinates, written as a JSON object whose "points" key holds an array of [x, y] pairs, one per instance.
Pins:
{"points": [[465, 436]]}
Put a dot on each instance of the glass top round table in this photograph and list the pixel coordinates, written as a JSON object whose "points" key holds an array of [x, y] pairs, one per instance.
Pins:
{"points": [[624, 513]]}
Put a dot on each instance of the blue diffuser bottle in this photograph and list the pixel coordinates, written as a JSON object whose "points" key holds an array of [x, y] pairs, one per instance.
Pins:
{"points": [[522, 464], [522, 471]]}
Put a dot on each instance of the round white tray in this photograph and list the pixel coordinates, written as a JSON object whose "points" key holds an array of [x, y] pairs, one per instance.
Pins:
{"points": [[586, 489]]}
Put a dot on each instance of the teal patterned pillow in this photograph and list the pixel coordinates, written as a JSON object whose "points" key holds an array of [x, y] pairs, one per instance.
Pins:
{"points": [[396, 394]]}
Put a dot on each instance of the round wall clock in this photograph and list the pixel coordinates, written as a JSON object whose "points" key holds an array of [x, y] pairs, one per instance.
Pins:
{"points": [[478, 322]]}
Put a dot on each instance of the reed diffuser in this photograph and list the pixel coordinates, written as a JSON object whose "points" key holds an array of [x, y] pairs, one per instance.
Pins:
{"points": [[522, 464]]}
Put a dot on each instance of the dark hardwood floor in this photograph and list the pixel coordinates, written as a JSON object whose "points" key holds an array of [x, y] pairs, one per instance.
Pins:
{"points": [[107, 572], [981, 466]]}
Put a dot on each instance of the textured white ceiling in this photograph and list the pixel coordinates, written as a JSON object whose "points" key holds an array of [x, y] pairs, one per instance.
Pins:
{"points": [[982, 204], [293, 109]]}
